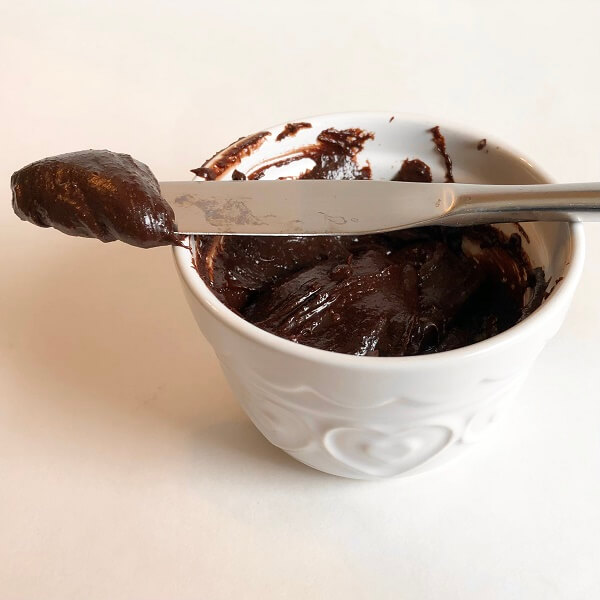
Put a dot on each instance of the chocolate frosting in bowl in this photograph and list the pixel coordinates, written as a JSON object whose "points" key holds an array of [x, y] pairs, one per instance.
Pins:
{"points": [[414, 291]]}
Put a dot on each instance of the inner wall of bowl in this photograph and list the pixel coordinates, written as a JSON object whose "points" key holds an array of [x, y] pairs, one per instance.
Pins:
{"points": [[549, 244]]}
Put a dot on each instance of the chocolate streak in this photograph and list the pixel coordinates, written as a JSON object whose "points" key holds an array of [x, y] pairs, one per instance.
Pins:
{"points": [[334, 155], [231, 156], [440, 144], [292, 129]]}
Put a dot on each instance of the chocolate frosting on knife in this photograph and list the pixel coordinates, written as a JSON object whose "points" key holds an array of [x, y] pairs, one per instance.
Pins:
{"points": [[95, 193]]}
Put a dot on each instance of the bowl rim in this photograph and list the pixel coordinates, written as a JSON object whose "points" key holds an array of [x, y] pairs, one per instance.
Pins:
{"points": [[557, 299]]}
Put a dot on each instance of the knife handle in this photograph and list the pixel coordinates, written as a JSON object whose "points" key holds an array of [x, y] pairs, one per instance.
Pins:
{"points": [[512, 203]]}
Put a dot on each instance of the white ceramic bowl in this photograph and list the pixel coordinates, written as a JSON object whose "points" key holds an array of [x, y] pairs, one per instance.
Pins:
{"points": [[378, 417]]}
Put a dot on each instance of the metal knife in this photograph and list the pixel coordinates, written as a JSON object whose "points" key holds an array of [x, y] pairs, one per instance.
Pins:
{"points": [[327, 207]]}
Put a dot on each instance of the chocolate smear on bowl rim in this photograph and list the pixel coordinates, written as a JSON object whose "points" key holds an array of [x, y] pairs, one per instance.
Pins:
{"points": [[229, 157], [440, 144], [334, 154], [291, 129]]}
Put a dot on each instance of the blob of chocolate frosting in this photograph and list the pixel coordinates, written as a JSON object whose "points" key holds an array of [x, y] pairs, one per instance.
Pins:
{"points": [[95, 193]]}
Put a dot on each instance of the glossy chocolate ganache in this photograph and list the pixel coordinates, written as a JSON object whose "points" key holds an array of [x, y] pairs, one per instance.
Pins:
{"points": [[415, 291], [95, 193]]}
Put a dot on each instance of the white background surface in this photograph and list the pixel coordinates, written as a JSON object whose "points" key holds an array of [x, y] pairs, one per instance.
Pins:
{"points": [[127, 470]]}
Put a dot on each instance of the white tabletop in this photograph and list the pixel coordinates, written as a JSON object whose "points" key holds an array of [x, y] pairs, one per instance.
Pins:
{"points": [[127, 469]]}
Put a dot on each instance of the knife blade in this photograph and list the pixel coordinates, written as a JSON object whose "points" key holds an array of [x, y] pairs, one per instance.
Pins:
{"points": [[303, 207], [353, 207]]}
